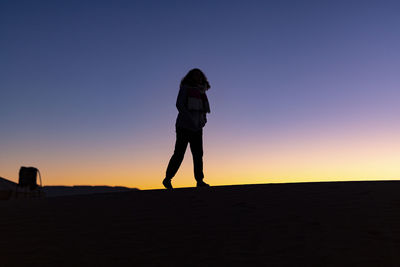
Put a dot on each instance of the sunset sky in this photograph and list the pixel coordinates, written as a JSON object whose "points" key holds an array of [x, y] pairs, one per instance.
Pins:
{"points": [[300, 90]]}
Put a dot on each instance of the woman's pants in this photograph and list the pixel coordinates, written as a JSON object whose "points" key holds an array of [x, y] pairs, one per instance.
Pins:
{"points": [[195, 139]]}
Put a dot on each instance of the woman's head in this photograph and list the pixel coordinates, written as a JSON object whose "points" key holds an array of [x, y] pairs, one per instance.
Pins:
{"points": [[196, 77]]}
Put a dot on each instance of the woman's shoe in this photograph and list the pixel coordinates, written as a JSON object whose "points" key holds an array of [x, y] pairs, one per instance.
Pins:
{"points": [[202, 184], [167, 184]]}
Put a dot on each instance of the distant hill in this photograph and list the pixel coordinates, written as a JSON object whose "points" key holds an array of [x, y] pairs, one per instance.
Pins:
{"points": [[6, 188], [55, 191], [6, 184]]}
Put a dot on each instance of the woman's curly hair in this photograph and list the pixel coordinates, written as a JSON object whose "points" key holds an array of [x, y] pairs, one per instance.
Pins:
{"points": [[190, 79]]}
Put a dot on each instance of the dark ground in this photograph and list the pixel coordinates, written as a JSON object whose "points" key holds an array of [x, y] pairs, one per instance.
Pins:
{"points": [[310, 224]]}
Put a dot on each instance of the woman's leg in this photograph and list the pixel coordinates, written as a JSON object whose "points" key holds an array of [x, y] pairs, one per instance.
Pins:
{"points": [[179, 152], [196, 146]]}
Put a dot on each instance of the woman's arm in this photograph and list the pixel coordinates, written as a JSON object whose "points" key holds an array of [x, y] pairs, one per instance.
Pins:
{"points": [[181, 105], [181, 101]]}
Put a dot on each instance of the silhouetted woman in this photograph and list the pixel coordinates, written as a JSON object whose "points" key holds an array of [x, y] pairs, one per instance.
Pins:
{"points": [[192, 104]]}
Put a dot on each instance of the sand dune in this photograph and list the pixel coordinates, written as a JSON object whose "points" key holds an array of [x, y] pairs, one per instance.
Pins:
{"points": [[311, 224], [56, 191], [8, 190]]}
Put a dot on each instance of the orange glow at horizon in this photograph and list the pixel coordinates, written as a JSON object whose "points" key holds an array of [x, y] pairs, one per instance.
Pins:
{"points": [[322, 156]]}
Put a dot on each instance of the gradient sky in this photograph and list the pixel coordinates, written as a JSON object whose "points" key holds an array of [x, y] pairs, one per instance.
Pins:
{"points": [[300, 90]]}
